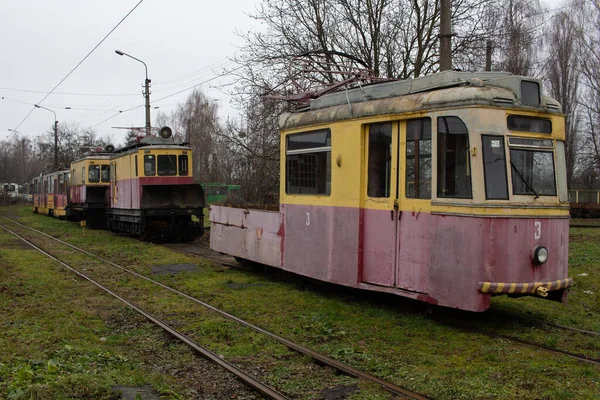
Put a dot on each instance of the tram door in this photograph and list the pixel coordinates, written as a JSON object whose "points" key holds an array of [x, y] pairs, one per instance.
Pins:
{"points": [[113, 184], [397, 176], [379, 215]]}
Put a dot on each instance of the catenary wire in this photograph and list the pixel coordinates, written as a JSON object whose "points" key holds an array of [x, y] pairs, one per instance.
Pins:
{"points": [[80, 62]]}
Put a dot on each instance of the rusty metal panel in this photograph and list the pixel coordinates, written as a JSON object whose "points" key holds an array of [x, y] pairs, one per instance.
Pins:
{"points": [[322, 242], [414, 249], [250, 234], [377, 246]]}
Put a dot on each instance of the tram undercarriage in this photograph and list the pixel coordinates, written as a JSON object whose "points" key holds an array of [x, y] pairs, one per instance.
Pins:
{"points": [[164, 225]]}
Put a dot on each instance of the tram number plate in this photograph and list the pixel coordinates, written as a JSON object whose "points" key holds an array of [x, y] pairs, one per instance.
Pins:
{"points": [[537, 235]]}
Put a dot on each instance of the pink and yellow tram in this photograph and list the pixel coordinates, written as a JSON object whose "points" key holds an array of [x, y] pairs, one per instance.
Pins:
{"points": [[152, 193], [50, 193], [448, 189], [89, 184]]}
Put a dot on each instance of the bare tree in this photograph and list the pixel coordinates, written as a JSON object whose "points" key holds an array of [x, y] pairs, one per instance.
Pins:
{"points": [[253, 143], [590, 71], [72, 143], [517, 41], [562, 77], [197, 120], [393, 39]]}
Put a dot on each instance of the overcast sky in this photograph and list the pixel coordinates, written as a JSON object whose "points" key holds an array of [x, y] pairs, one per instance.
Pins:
{"points": [[183, 43]]}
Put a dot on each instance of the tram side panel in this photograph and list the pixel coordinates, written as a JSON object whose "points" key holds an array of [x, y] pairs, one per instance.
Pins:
{"points": [[254, 235]]}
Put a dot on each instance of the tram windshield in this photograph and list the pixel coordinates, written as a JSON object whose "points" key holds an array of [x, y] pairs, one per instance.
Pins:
{"points": [[533, 172], [167, 165], [94, 173]]}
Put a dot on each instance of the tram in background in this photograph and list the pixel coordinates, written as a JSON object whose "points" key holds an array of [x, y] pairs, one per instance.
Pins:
{"points": [[89, 185], [50, 193], [152, 193], [448, 189]]}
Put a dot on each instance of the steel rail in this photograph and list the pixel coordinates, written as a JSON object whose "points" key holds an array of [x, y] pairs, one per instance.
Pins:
{"points": [[576, 356], [539, 322], [244, 377], [351, 371]]}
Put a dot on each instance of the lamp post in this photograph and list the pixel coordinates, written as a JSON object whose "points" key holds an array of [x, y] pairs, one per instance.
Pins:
{"points": [[147, 90], [55, 136]]}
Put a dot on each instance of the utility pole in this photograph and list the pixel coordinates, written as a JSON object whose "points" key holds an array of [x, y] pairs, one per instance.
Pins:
{"points": [[488, 55], [55, 145], [445, 36], [147, 95]]}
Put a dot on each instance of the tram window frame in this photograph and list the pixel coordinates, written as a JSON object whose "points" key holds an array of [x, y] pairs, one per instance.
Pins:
{"points": [[418, 160], [183, 164], [166, 164], [451, 129], [105, 173], [379, 160], [494, 174], [149, 165], [95, 177], [308, 163], [530, 93], [527, 174], [526, 123]]}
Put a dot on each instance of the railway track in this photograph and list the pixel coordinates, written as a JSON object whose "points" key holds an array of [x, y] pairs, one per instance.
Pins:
{"points": [[259, 386]]}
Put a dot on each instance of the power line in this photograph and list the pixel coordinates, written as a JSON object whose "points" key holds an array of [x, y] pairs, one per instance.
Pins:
{"points": [[80, 62], [166, 97], [69, 94]]}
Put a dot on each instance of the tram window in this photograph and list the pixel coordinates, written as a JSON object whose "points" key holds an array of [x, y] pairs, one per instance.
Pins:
{"points": [[418, 158], [83, 175], [136, 165], [530, 93], [494, 167], [167, 165], [532, 172], [183, 165], [454, 168], [149, 165], [94, 173], [105, 173], [529, 124], [380, 160], [308, 163]]}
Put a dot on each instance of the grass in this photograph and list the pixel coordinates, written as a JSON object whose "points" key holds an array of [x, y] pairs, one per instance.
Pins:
{"points": [[391, 337], [56, 352]]}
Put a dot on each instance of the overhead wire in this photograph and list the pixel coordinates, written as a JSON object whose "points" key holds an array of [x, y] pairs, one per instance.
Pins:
{"points": [[166, 97], [68, 93], [81, 62]]}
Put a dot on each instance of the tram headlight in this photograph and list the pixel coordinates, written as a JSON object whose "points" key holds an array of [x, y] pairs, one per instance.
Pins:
{"points": [[540, 255]]}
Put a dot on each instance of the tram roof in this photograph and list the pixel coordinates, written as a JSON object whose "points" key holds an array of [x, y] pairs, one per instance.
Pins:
{"points": [[441, 90], [151, 142]]}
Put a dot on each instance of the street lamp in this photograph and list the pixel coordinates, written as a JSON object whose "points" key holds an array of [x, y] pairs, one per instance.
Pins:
{"points": [[147, 90], [55, 136]]}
